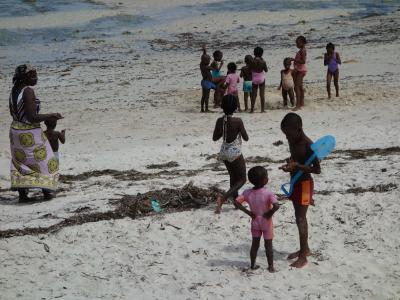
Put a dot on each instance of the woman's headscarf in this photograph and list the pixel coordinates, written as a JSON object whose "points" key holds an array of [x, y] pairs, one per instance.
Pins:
{"points": [[21, 71]]}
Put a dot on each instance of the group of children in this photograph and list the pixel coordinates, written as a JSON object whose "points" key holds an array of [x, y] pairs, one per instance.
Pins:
{"points": [[262, 202], [253, 74]]}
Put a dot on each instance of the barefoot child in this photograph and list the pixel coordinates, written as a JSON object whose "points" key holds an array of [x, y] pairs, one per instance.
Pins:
{"points": [[217, 76], [287, 83], [258, 69], [207, 82], [54, 136], [245, 73], [332, 60], [301, 197], [263, 205], [231, 82], [231, 130], [300, 70]]}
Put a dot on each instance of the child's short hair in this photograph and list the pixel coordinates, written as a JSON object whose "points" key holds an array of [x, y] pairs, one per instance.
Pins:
{"points": [[248, 59], [258, 51], [291, 120], [51, 123], [257, 175], [229, 104], [302, 38], [330, 46], [217, 54], [232, 67], [287, 60]]}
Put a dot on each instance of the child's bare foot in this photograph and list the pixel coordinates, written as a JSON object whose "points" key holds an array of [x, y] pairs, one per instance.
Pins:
{"points": [[272, 270], [263, 111], [255, 267], [252, 111], [300, 262], [207, 110], [219, 205], [296, 254], [296, 108], [202, 110], [337, 94]]}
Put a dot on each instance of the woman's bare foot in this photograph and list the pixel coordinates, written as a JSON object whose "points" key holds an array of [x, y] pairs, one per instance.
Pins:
{"points": [[255, 267], [220, 201], [272, 270], [296, 108], [300, 262], [296, 254]]}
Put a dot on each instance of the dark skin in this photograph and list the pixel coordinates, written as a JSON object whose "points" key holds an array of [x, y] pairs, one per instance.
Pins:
{"points": [[245, 73], [54, 137], [32, 116], [255, 245], [237, 168], [258, 65], [216, 65], [327, 57], [299, 76], [289, 92], [300, 150]]}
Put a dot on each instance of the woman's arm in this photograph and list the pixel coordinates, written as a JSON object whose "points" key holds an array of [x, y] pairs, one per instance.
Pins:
{"points": [[217, 130], [30, 108], [243, 131], [61, 136]]}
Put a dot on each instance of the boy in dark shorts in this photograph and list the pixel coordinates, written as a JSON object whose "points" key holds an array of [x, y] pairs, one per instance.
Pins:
{"points": [[245, 73], [300, 151]]}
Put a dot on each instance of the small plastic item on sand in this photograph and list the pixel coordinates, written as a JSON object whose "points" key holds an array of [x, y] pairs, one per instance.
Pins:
{"points": [[156, 205], [321, 148]]}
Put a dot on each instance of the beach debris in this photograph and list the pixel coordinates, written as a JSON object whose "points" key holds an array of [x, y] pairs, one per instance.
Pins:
{"points": [[277, 143], [176, 227], [45, 246], [156, 206]]}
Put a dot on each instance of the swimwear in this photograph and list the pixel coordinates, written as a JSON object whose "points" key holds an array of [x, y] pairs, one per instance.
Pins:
{"points": [[260, 202], [248, 86], [287, 81], [230, 151], [216, 73], [232, 80], [300, 68], [258, 77], [303, 192], [333, 65], [208, 85]]}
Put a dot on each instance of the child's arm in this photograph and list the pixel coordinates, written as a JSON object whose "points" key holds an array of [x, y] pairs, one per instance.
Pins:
{"points": [[265, 67], [270, 213], [339, 61], [326, 59], [220, 65], [243, 131], [238, 205], [241, 72], [217, 130], [280, 84], [61, 136], [292, 165]]}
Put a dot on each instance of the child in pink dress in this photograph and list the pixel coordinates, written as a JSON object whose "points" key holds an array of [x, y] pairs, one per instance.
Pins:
{"points": [[231, 81], [263, 205]]}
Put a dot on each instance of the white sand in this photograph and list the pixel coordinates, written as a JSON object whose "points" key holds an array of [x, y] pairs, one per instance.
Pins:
{"points": [[127, 118]]}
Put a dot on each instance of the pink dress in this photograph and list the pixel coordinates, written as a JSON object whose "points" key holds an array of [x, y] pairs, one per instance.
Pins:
{"points": [[232, 81], [260, 202]]}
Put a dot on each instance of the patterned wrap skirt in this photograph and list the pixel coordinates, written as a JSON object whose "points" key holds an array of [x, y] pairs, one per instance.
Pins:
{"points": [[33, 163]]}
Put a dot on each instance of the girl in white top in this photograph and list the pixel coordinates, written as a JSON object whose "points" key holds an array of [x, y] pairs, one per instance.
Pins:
{"points": [[287, 83]]}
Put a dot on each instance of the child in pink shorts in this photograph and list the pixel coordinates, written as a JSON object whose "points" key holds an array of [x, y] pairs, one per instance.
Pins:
{"points": [[263, 205]]}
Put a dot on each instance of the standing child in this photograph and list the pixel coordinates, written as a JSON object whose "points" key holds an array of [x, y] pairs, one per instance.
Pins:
{"points": [[258, 69], [54, 136], [300, 151], [300, 70], [231, 81], [245, 73], [217, 76], [287, 83], [332, 60], [231, 130], [207, 82], [263, 205]]}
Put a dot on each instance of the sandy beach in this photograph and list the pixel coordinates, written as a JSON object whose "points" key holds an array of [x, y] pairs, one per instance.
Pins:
{"points": [[125, 76]]}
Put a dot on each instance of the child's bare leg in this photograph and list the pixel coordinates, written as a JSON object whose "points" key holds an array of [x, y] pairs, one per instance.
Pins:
{"points": [[238, 104], [262, 96], [328, 83], [253, 252], [297, 90], [284, 96], [301, 76], [336, 82], [291, 96], [301, 221], [253, 97], [270, 255], [204, 99], [246, 101], [237, 172]]}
